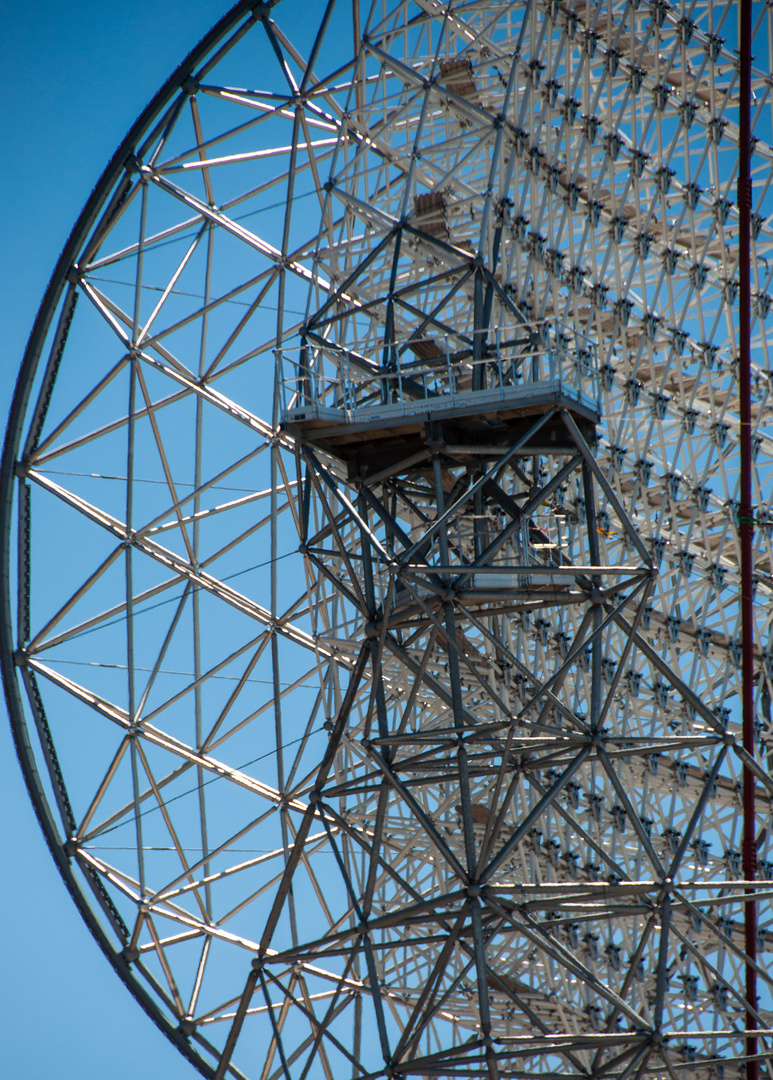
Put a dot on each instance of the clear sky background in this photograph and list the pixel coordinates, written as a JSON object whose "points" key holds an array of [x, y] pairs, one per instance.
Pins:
{"points": [[75, 76]]}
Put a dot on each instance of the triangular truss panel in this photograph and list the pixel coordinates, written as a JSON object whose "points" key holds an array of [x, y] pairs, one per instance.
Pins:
{"points": [[371, 625]]}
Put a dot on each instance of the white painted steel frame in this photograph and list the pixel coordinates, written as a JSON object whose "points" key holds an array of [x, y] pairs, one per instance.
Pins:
{"points": [[451, 789]]}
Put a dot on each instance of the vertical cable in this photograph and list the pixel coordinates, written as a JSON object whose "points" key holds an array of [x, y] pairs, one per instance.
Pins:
{"points": [[746, 526]]}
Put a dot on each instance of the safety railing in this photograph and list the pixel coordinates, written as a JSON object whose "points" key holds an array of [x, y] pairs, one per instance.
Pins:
{"points": [[369, 380]]}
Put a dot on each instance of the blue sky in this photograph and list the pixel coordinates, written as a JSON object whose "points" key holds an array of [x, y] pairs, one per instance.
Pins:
{"points": [[75, 77]]}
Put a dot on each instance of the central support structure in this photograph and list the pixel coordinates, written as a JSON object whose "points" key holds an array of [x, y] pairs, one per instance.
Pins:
{"points": [[502, 590]]}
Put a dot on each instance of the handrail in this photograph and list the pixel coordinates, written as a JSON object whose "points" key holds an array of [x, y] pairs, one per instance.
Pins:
{"points": [[537, 357]]}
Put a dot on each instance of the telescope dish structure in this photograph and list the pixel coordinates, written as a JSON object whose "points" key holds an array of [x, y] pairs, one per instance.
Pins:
{"points": [[371, 623]]}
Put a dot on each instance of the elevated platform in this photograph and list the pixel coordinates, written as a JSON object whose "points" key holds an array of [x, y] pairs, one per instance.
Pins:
{"points": [[370, 416]]}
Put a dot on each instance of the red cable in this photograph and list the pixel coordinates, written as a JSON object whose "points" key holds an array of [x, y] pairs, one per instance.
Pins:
{"points": [[746, 525]]}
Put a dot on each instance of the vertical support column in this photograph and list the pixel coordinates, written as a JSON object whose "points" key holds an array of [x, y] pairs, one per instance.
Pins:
{"points": [[479, 530], [390, 355], [478, 379], [375, 649], [454, 673], [595, 556], [746, 524], [304, 378]]}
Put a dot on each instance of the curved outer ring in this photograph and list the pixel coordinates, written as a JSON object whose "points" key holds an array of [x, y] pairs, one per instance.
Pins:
{"points": [[24, 382]]}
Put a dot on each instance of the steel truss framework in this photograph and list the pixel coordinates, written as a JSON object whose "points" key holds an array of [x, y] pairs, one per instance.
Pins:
{"points": [[371, 631]]}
